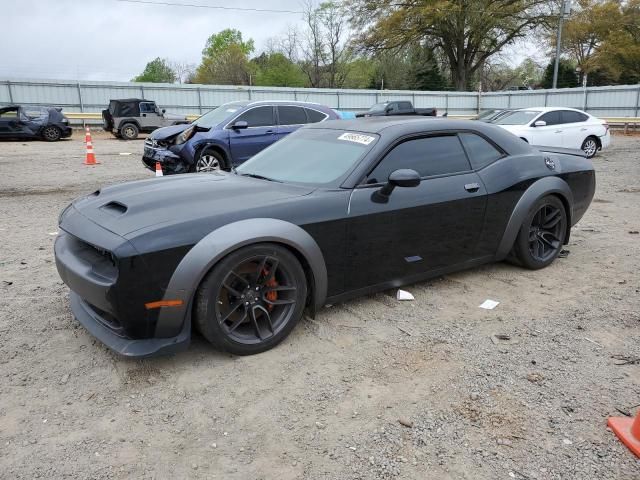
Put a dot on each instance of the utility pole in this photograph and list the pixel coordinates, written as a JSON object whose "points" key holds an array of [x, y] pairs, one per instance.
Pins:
{"points": [[565, 9]]}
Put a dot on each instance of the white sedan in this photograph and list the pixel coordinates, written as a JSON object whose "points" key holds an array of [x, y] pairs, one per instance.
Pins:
{"points": [[558, 127]]}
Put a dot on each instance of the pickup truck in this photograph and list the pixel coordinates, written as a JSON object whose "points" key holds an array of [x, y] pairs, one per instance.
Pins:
{"points": [[401, 107]]}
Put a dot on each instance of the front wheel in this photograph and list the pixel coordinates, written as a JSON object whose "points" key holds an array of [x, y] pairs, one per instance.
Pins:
{"points": [[252, 299], [542, 233], [590, 147], [209, 161]]}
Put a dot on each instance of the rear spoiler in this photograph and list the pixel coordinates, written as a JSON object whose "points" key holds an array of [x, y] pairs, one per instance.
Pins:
{"points": [[565, 151]]}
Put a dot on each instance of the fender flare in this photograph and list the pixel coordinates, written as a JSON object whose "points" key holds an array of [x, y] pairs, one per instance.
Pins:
{"points": [[224, 240], [540, 188], [128, 120]]}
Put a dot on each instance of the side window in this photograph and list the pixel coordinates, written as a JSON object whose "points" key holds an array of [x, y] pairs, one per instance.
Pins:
{"points": [[393, 107], [552, 118], [147, 107], [315, 116], [481, 153], [9, 114], [569, 116], [427, 156], [404, 106], [258, 117], [289, 115]]}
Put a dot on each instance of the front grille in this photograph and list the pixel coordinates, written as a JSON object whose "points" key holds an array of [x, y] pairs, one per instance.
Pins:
{"points": [[103, 263]]}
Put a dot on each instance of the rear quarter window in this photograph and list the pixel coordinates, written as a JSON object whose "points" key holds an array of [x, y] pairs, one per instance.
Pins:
{"points": [[315, 116], [480, 151]]}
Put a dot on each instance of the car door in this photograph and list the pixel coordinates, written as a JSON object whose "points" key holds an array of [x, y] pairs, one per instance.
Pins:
{"points": [[290, 118], [551, 134], [11, 124], [575, 128], [419, 229], [149, 117], [259, 133]]}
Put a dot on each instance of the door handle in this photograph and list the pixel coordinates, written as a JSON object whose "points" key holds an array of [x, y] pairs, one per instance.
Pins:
{"points": [[269, 131], [472, 187], [558, 131], [583, 129]]}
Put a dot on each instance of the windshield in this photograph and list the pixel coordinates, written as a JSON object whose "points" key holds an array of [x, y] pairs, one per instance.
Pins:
{"points": [[311, 156], [378, 107], [487, 113], [219, 115], [519, 117]]}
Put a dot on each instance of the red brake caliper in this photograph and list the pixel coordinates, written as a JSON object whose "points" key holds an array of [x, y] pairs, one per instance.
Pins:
{"points": [[272, 296]]}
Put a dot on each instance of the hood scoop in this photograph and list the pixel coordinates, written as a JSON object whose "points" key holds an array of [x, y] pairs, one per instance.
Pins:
{"points": [[114, 208]]}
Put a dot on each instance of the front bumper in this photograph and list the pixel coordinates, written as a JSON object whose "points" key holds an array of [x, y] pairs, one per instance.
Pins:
{"points": [[128, 347], [66, 132], [605, 141], [171, 163], [97, 303]]}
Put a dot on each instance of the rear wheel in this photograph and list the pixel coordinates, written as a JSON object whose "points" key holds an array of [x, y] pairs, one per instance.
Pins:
{"points": [[51, 133], [252, 299], [590, 147], [129, 131], [542, 233]]}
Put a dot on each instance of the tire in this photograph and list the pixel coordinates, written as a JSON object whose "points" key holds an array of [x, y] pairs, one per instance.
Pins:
{"points": [[590, 146], [208, 161], [227, 312], [51, 133], [129, 131], [542, 233]]}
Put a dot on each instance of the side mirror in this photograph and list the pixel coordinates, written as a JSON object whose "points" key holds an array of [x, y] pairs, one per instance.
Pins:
{"points": [[404, 177], [540, 123], [164, 110], [240, 124], [388, 109]]}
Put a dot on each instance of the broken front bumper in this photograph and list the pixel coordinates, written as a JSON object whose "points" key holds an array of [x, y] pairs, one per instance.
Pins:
{"points": [[170, 162]]}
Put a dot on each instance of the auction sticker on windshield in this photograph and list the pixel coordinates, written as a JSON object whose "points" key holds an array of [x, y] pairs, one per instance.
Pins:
{"points": [[357, 137]]}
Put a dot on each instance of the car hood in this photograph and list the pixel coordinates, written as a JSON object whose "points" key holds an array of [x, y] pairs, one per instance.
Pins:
{"points": [[129, 207], [174, 116], [166, 133], [514, 128]]}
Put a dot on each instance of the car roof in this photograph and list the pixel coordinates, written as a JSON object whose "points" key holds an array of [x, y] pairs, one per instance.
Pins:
{"points": [[130, 100], [286, 102], [551, 109], [394, 127]]}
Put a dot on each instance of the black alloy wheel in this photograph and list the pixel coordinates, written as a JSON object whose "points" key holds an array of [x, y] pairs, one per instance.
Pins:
{"points": [[542, 234], [252, 299], [51, 133]]}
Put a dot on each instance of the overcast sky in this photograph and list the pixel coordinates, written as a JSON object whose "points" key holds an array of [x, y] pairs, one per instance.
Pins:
{"points": [[113, 40]]}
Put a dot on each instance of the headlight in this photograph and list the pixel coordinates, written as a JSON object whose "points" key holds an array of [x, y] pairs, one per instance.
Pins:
{"points": [[186, 135]]}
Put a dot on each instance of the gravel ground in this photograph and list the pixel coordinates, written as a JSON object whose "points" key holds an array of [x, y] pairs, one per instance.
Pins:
{"points": [[327, 403]]}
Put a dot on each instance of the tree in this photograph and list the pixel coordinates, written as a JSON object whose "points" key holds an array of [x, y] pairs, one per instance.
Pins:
{"points": [[567, 75], [276, 70], [424, 71], [499, 75], [325, 53], [183, 71], [466, 32], [157, 71], [225, 59]]}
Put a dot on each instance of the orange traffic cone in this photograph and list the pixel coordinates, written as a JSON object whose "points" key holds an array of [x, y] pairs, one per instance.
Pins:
{"points": [[159, 170], [628, 431], [90, 159]]}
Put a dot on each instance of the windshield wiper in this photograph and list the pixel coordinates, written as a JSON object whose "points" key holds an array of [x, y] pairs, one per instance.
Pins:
{"points": [[255, 175]]}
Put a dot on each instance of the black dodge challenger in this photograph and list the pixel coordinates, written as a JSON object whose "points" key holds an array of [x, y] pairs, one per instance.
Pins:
{"points": [[332, 211]]}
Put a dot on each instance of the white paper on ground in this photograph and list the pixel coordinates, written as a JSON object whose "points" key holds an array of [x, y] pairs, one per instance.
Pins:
{"points": [[404, 295], [489, 304], [125, 153]]}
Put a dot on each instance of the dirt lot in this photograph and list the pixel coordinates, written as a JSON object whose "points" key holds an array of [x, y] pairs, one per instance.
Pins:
{"points": [[326, 403]]}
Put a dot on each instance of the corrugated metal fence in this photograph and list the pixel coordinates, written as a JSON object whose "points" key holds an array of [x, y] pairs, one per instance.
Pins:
{"points": [[619, 101]]}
